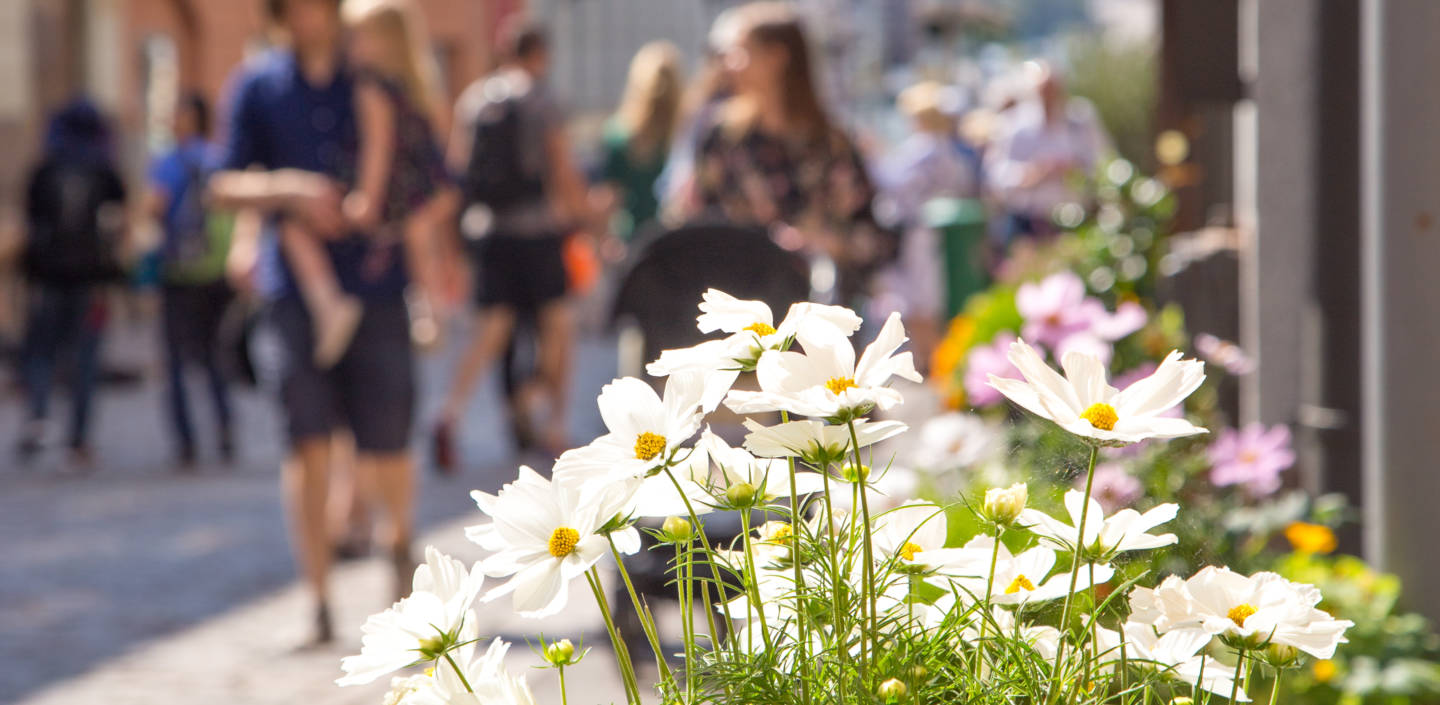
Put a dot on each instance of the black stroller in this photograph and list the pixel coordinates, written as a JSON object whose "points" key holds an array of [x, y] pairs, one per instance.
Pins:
{"points": [[654, 308]]}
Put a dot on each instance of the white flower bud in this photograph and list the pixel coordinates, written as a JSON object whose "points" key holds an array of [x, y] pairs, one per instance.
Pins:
{"points": [[1002, 506], [677, 530], [891, 690], [560, 652]]}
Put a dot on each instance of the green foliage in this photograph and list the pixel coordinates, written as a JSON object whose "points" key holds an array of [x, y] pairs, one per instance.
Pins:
{"points": [[1121, 82]]}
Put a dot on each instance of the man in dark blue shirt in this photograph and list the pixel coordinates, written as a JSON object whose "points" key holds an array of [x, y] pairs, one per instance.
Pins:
{"points": [[290, 153]]}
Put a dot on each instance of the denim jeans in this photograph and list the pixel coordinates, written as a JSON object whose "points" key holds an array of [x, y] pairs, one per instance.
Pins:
{"points": [[63, 316], [191, 328]]}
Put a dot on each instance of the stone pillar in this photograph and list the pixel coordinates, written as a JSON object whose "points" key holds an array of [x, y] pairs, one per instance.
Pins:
{"points": [[1280, 46], [1400, 291]]}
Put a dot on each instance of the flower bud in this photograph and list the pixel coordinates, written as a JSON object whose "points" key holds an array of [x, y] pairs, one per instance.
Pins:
{"points": [[893, 689], [1183, 700], [741, 495], [1282, 655], [560, 652], [1003, 506], [677, 530], [850, 474]]}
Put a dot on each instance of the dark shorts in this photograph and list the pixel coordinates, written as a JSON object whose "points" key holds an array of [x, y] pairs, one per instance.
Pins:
{"points": [[523, 273], [370, 391]]}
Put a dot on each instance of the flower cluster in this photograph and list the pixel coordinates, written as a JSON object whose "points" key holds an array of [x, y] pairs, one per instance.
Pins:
{"points": [[835, 588]]}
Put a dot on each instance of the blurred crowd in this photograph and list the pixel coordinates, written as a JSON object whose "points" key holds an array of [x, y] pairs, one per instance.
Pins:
{"points": [[338, 212]]}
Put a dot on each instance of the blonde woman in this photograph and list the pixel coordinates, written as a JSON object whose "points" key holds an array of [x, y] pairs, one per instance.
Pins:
{"points": [[401, 191], [637, 138]]}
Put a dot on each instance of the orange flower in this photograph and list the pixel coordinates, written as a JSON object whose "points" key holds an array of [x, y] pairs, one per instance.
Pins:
{"points": [[1310, 538]]}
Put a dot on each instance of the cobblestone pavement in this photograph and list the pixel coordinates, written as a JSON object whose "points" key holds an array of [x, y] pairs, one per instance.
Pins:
{"points": [[134, 585]]}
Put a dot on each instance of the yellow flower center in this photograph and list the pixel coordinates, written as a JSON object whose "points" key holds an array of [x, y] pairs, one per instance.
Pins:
{"points": [[1239, 613], [778, 531], [1101, 416], [648, 445], [1324, 670], [562, 541], [761, 329], [909, 550], [839, 384], [1019, 583]]}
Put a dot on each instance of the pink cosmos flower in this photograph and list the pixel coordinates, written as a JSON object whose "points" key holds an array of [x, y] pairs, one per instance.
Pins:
{"points": [[1114, 488], [1053, 309], [986, 360], [1225, 354], [1253, 456]]}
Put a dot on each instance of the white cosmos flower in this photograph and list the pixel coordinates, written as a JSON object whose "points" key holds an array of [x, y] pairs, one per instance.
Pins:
{"points": [[656, 496], [1018, 579], [644, 429], [1083, 403], [485, 674], [546, 534], [826, 381], [418, 627], [770, 477], [912, 534], [1044, 639], [1176, 654], [1256, 610], [814, 441], [1125, 530], [752, 330]]}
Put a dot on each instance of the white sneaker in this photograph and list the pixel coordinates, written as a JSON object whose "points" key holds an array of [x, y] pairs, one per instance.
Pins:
{"points": [[334, 329]]}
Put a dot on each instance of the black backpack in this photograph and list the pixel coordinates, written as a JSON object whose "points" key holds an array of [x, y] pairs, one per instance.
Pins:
{"points": [[495, 175], [75, 219]]}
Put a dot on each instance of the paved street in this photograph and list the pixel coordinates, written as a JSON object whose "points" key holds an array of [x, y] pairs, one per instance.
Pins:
{"points": [[134, 585]]}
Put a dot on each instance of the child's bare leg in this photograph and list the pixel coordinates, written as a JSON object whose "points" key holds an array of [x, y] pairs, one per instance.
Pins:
{"points": [[334, 315]]}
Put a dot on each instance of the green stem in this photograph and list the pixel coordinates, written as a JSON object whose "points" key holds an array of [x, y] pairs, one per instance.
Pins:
{"points": [[802, 616], [622, 651], [865, 542], [687, 608], [1275, 688], [752, 580], [709, 552], [647, 620], [841, 608], [989, 586], [564, 698], [1239, 668], [1074, 572], [458, 672]]}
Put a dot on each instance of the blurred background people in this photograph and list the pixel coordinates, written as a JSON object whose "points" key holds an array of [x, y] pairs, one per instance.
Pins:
{"points": [[708, 90], [637, 137], [76, 226], [522, 194], [775, 158], [1043, 155], [932, 162], [294, 117], [194, 293]]}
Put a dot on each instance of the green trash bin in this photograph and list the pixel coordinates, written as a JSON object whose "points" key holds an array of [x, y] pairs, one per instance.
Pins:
{"points": [[960, 223]]}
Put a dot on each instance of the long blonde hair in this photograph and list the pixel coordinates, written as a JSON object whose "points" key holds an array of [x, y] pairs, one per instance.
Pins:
{"points": [[651, 104], [403, 27]]}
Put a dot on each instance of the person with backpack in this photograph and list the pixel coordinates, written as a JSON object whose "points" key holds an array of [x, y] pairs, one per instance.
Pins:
{"points": [[194, 293], [75, 220], [522, 194]]}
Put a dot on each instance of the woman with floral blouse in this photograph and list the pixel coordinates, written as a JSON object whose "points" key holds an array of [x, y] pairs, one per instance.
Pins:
{"points": [[774, 159]]}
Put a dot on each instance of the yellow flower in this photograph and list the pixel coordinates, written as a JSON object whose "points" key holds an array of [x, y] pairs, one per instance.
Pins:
{"points": [[1310, 538], [1324, 670]]}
